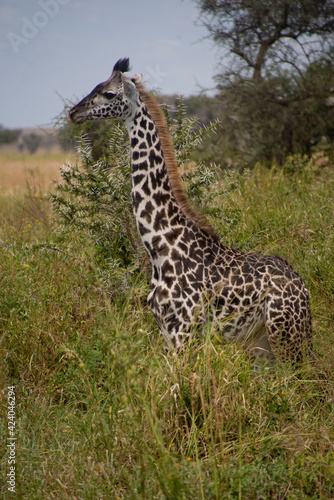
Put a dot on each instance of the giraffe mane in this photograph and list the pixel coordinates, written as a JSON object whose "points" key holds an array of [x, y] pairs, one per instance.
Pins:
{"points": [[171, 163]]}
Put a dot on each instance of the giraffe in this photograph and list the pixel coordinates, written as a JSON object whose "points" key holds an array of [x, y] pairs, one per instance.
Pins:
{"points": [[257, 300]]}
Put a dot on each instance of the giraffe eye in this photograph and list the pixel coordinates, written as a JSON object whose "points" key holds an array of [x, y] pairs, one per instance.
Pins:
{"points": [[109, 95]]}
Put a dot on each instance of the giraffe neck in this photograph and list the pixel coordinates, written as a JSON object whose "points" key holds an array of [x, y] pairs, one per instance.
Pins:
{"points": [[159, 201], [154, 204]]}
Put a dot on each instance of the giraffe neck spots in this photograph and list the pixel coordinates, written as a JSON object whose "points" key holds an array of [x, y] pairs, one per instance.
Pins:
{"points": [[154, 204]]}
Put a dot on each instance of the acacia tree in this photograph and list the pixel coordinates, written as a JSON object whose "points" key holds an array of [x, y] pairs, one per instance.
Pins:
{"points": [[32, 142], [276, 73]]}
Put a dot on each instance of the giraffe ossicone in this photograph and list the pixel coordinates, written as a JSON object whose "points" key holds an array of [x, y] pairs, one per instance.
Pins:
{"points": [[258, 300]]}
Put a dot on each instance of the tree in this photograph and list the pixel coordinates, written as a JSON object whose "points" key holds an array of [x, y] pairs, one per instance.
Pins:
{"points": [[8, 136], [32, 142], [276, 72]]}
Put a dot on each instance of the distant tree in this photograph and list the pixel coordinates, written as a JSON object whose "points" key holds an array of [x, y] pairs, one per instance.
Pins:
{"points": [[200, 106], [8, 136], [276, 72], [31, 142]]}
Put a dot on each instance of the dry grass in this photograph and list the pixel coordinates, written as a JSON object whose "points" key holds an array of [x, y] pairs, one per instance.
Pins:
{"points": [[19, 170]]}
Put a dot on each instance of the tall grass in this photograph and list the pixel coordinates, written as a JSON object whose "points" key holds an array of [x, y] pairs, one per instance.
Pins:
{"points": [[102, 412]]}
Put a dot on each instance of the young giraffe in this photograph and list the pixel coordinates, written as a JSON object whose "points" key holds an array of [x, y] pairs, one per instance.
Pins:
{"points": [[257, 299]]}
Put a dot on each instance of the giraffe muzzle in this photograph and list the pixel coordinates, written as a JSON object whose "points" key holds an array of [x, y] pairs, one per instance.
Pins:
{"points": [[74, 116]]}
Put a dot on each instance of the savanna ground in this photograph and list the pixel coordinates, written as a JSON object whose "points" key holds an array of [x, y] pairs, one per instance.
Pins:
{"points": [[102, 412]]}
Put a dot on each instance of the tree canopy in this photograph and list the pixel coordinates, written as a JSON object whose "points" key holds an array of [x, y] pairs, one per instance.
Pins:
{"points": [[276, 72], [7, 136]]}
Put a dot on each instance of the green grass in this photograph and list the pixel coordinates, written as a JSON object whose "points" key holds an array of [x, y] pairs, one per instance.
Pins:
{"points": [[103, 413]]}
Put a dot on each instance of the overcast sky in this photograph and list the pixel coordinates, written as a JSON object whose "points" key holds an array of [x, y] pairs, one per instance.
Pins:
{"points": [[53, 48]]}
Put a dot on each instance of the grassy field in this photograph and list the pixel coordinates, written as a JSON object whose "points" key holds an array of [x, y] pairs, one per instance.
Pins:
{"points": [[102, 412], [17, 171]]}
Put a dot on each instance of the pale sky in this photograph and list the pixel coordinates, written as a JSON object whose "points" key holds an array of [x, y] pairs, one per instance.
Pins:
{"points": [[51, 49]]}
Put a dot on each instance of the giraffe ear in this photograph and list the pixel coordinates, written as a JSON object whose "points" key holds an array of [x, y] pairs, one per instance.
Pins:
{"points": [[129, 87], [137, 78]]}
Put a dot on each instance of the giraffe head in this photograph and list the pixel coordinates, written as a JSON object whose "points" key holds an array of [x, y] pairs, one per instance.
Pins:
{"points": [[114, 98]]}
